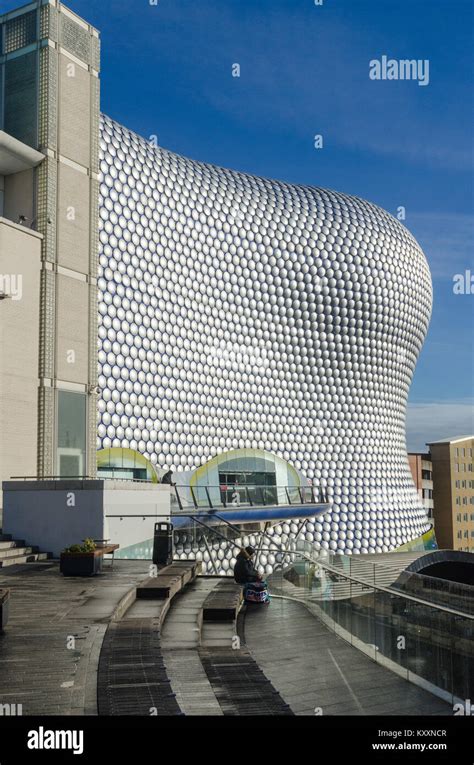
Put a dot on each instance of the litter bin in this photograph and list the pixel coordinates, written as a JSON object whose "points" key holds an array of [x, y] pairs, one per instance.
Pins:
{"points": [[163, 544]]}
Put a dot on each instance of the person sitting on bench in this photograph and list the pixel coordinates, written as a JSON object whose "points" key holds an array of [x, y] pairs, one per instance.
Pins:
{"points": [[255, 588], [244, 570]]}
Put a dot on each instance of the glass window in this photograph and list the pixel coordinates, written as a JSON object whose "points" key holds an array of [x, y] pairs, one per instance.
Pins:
{"points": [[71, 436]]}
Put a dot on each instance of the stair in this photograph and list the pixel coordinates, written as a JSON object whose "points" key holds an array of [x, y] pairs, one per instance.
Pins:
{"points": [[16, 551]]}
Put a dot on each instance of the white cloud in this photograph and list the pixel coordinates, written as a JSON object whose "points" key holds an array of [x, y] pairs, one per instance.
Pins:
{"points": [[447, 240], [436, 420]]}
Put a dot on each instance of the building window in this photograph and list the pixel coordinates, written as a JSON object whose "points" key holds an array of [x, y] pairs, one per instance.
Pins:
{"points": [[456, 451], [456, 467], [459, 534], [465, 517], [458, 517], [71, 435], [466, 534], [464, 500], [458, 500], [469, 469]]}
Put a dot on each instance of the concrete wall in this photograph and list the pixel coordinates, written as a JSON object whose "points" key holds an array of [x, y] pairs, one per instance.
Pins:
{"points": [[56, 514], [53, 514], [18, 190], [72, 330], [20, 256], [73, 218], [131, 512]]}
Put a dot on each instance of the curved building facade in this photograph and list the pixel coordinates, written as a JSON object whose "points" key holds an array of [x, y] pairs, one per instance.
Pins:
{"points": [[242, 313]]}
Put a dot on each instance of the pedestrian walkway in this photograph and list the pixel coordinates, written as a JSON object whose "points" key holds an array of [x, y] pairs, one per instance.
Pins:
{"points": [[50, 650], [316, 672]]}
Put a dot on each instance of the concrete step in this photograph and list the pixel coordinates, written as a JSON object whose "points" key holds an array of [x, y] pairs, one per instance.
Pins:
{"points": [[14, 551], [20, 559], [7, 545]]}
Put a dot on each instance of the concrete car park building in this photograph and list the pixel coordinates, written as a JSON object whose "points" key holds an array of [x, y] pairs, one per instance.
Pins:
{"points": [[252, 333]]}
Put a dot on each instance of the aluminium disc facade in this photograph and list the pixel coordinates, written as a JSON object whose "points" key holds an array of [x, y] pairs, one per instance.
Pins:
{"points": [[239, 312]]}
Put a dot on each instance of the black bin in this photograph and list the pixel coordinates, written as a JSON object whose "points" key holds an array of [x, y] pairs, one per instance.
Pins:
{"points": [[163, 544]]}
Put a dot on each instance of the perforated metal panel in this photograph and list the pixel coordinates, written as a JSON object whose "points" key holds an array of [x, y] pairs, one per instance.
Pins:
{"points": [[237, 312]]}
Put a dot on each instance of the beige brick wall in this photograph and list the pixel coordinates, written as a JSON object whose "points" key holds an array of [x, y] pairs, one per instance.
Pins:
{"points": [[73, 218], [72, 328], [20, 255]]}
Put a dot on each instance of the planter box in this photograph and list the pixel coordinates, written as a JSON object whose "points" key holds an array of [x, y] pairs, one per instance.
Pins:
{"points": [[81, 564]]}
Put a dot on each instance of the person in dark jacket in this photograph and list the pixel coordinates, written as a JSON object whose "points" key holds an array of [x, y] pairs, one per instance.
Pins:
{"points": [[244, 570], [168, 477]]}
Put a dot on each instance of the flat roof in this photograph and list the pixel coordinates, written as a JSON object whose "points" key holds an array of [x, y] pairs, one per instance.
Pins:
{"points": [[16, 156], [452, 440]]}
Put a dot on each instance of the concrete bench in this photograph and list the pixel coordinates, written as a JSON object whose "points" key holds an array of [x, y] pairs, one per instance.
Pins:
{"points": [[4, 607], [223, 603], [169, 580]]}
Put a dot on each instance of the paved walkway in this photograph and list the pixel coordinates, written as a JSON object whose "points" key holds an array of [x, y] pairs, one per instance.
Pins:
{"points": [[180, 640], [50, 650], [317, 672]]}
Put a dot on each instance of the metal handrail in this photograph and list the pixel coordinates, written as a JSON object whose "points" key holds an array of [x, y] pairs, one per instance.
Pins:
{"points": [[308, 558], [348, 577], [301, 491]]}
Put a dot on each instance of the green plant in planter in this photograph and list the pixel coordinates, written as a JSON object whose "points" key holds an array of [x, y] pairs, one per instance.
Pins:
{"points": [[81, 559], [88, 546]]}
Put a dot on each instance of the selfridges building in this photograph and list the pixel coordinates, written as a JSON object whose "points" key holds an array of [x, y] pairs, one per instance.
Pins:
{"points": [[238, 313]]}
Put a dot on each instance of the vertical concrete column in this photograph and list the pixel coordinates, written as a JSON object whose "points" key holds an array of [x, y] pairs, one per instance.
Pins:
{"points": [[67, 216]]}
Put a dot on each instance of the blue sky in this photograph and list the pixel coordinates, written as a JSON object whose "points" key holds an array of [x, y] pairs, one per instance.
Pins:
{"points": [[166, 70]]}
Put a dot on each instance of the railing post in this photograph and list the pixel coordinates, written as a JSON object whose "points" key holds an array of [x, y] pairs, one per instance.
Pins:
{"points": [[288, 495], [194, 497], [248, 496], [262, 493], [180, 504], [209, 498]]}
